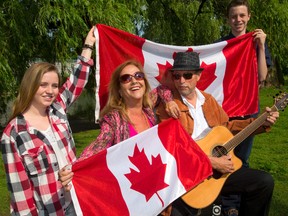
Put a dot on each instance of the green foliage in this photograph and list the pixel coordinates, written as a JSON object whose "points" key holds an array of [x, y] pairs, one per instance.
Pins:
{"points": [[7, 84], [269, 153], [53, 31], [272, 17], [181, 22]]}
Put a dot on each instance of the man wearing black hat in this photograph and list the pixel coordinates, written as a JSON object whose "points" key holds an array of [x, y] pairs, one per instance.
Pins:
{"points": [[200, 112]]}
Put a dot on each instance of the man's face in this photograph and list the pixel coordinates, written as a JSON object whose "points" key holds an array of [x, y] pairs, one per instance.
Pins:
{"points": [[185, 82], [238, 19]]}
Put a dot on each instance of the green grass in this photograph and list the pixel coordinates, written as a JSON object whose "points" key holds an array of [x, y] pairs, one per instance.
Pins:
{"points": [[269, 153]]}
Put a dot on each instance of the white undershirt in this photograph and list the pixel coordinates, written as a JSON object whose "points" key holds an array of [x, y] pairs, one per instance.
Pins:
{"points": [[61, 158], [201, 127], [49, 134]]}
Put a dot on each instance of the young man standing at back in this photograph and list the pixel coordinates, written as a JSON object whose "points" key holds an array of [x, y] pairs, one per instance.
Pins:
{"points": [[238, 15]]}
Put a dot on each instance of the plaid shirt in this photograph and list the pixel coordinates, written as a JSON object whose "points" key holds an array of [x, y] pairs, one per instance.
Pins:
{"points": [[30, 162]]}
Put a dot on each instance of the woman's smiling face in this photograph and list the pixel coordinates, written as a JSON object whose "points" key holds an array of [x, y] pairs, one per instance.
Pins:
{"points": [[135, 88]]}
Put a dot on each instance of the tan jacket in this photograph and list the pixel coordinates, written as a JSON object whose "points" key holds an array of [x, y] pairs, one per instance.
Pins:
{"points": [[213, 113]]}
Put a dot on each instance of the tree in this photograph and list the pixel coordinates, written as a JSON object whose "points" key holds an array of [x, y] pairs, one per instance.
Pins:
{"points": [[272, 16], [52, 31], [181, 22]]}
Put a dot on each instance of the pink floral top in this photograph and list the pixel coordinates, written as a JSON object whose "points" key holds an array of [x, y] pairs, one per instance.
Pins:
{"points": [[114, 128]]}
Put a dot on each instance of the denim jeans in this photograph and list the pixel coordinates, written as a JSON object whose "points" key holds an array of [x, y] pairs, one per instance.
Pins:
{"points": [[70, 211]]}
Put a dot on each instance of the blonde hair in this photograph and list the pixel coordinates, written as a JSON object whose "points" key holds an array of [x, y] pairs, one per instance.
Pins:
{"points": [[115, 100], [30, 84]]}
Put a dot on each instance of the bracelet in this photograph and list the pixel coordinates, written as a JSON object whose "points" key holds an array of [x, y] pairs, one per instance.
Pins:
{"points": [[87, 46]]}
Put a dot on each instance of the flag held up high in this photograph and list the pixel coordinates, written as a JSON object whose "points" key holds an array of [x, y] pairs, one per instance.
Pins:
{"points": [[228, 66]]}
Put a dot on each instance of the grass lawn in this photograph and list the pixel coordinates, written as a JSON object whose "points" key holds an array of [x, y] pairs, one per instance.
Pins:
{"points": [[269, 153]]}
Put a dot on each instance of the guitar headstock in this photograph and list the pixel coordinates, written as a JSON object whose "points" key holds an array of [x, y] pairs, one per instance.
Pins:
{"points": [[281, 101]]}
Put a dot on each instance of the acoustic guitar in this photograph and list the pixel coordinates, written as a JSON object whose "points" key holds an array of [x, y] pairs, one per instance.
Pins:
{"points": [[218, 142]]}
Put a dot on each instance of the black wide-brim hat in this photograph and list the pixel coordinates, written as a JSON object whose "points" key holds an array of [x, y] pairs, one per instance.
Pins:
{"points": [[186, 61]]}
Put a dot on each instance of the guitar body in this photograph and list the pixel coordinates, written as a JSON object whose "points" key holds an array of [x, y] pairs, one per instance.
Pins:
{"points": [[220, 141], [206, 192]]}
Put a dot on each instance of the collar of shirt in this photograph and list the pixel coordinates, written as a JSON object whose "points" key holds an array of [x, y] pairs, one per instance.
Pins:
{"points": [[201, 127], [199, 101]]}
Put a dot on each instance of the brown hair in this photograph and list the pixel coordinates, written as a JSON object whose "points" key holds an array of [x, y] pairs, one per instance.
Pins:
{"points": [[30, 84], [235, 3], [115, 100]]}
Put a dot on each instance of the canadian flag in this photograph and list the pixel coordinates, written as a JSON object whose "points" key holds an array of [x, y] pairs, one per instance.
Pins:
{"points": [[230, 67], [140, 176]]}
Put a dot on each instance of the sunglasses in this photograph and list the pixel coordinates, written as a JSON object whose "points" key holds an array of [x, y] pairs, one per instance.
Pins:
{"points": [[126, 78], [187, 76]]}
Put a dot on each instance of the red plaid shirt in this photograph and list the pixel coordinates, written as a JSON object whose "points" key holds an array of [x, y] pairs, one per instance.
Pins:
{"points": [[30, 162]]}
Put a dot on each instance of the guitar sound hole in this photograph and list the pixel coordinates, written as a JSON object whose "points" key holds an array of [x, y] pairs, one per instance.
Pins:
{"points": [[218, 151]]}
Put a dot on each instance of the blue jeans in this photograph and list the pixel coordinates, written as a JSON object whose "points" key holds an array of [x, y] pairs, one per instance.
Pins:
{"points": [[70, 211], [242, 151]]}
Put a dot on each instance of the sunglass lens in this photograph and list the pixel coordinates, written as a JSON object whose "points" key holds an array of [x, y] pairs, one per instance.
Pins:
{"points": [[187, 76], [176, 76], [139, 75], [125, 78]]}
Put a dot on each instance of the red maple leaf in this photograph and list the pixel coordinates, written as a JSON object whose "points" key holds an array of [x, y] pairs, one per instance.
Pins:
{"points": [[150, 178], [208, 76], [163, 69]]}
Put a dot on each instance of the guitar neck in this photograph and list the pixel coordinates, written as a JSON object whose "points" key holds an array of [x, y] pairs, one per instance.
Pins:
{"points": [[247, 131]]}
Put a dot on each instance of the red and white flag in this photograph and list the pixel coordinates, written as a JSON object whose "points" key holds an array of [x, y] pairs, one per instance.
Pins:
{"points": [[140, 176], [230, 67]]}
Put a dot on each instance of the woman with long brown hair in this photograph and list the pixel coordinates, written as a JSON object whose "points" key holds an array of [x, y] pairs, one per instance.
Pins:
{"points": [[38, 142]]}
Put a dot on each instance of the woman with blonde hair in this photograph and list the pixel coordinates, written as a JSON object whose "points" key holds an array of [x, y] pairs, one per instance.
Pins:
{"points": [[129, 111], [38, 142]]}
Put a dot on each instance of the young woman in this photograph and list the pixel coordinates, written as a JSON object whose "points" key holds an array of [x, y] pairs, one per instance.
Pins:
{"points": [[38, 142]]}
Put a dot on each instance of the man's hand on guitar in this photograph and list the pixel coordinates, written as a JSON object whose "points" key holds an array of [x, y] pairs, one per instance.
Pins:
{"points": [[222, 164], [271, 118]]}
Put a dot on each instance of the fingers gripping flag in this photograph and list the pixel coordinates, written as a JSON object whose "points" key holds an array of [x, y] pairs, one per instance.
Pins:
{"points": [[142, 175], [230, 67]]}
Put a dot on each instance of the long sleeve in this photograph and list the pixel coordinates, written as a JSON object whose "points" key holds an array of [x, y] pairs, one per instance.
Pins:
{"points": [[114, 129], [161, 92], [19, 186], [76, 82], [104, 140]]}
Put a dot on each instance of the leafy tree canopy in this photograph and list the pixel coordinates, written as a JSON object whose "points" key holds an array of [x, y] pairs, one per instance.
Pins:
{"points": [[54, 30]]}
